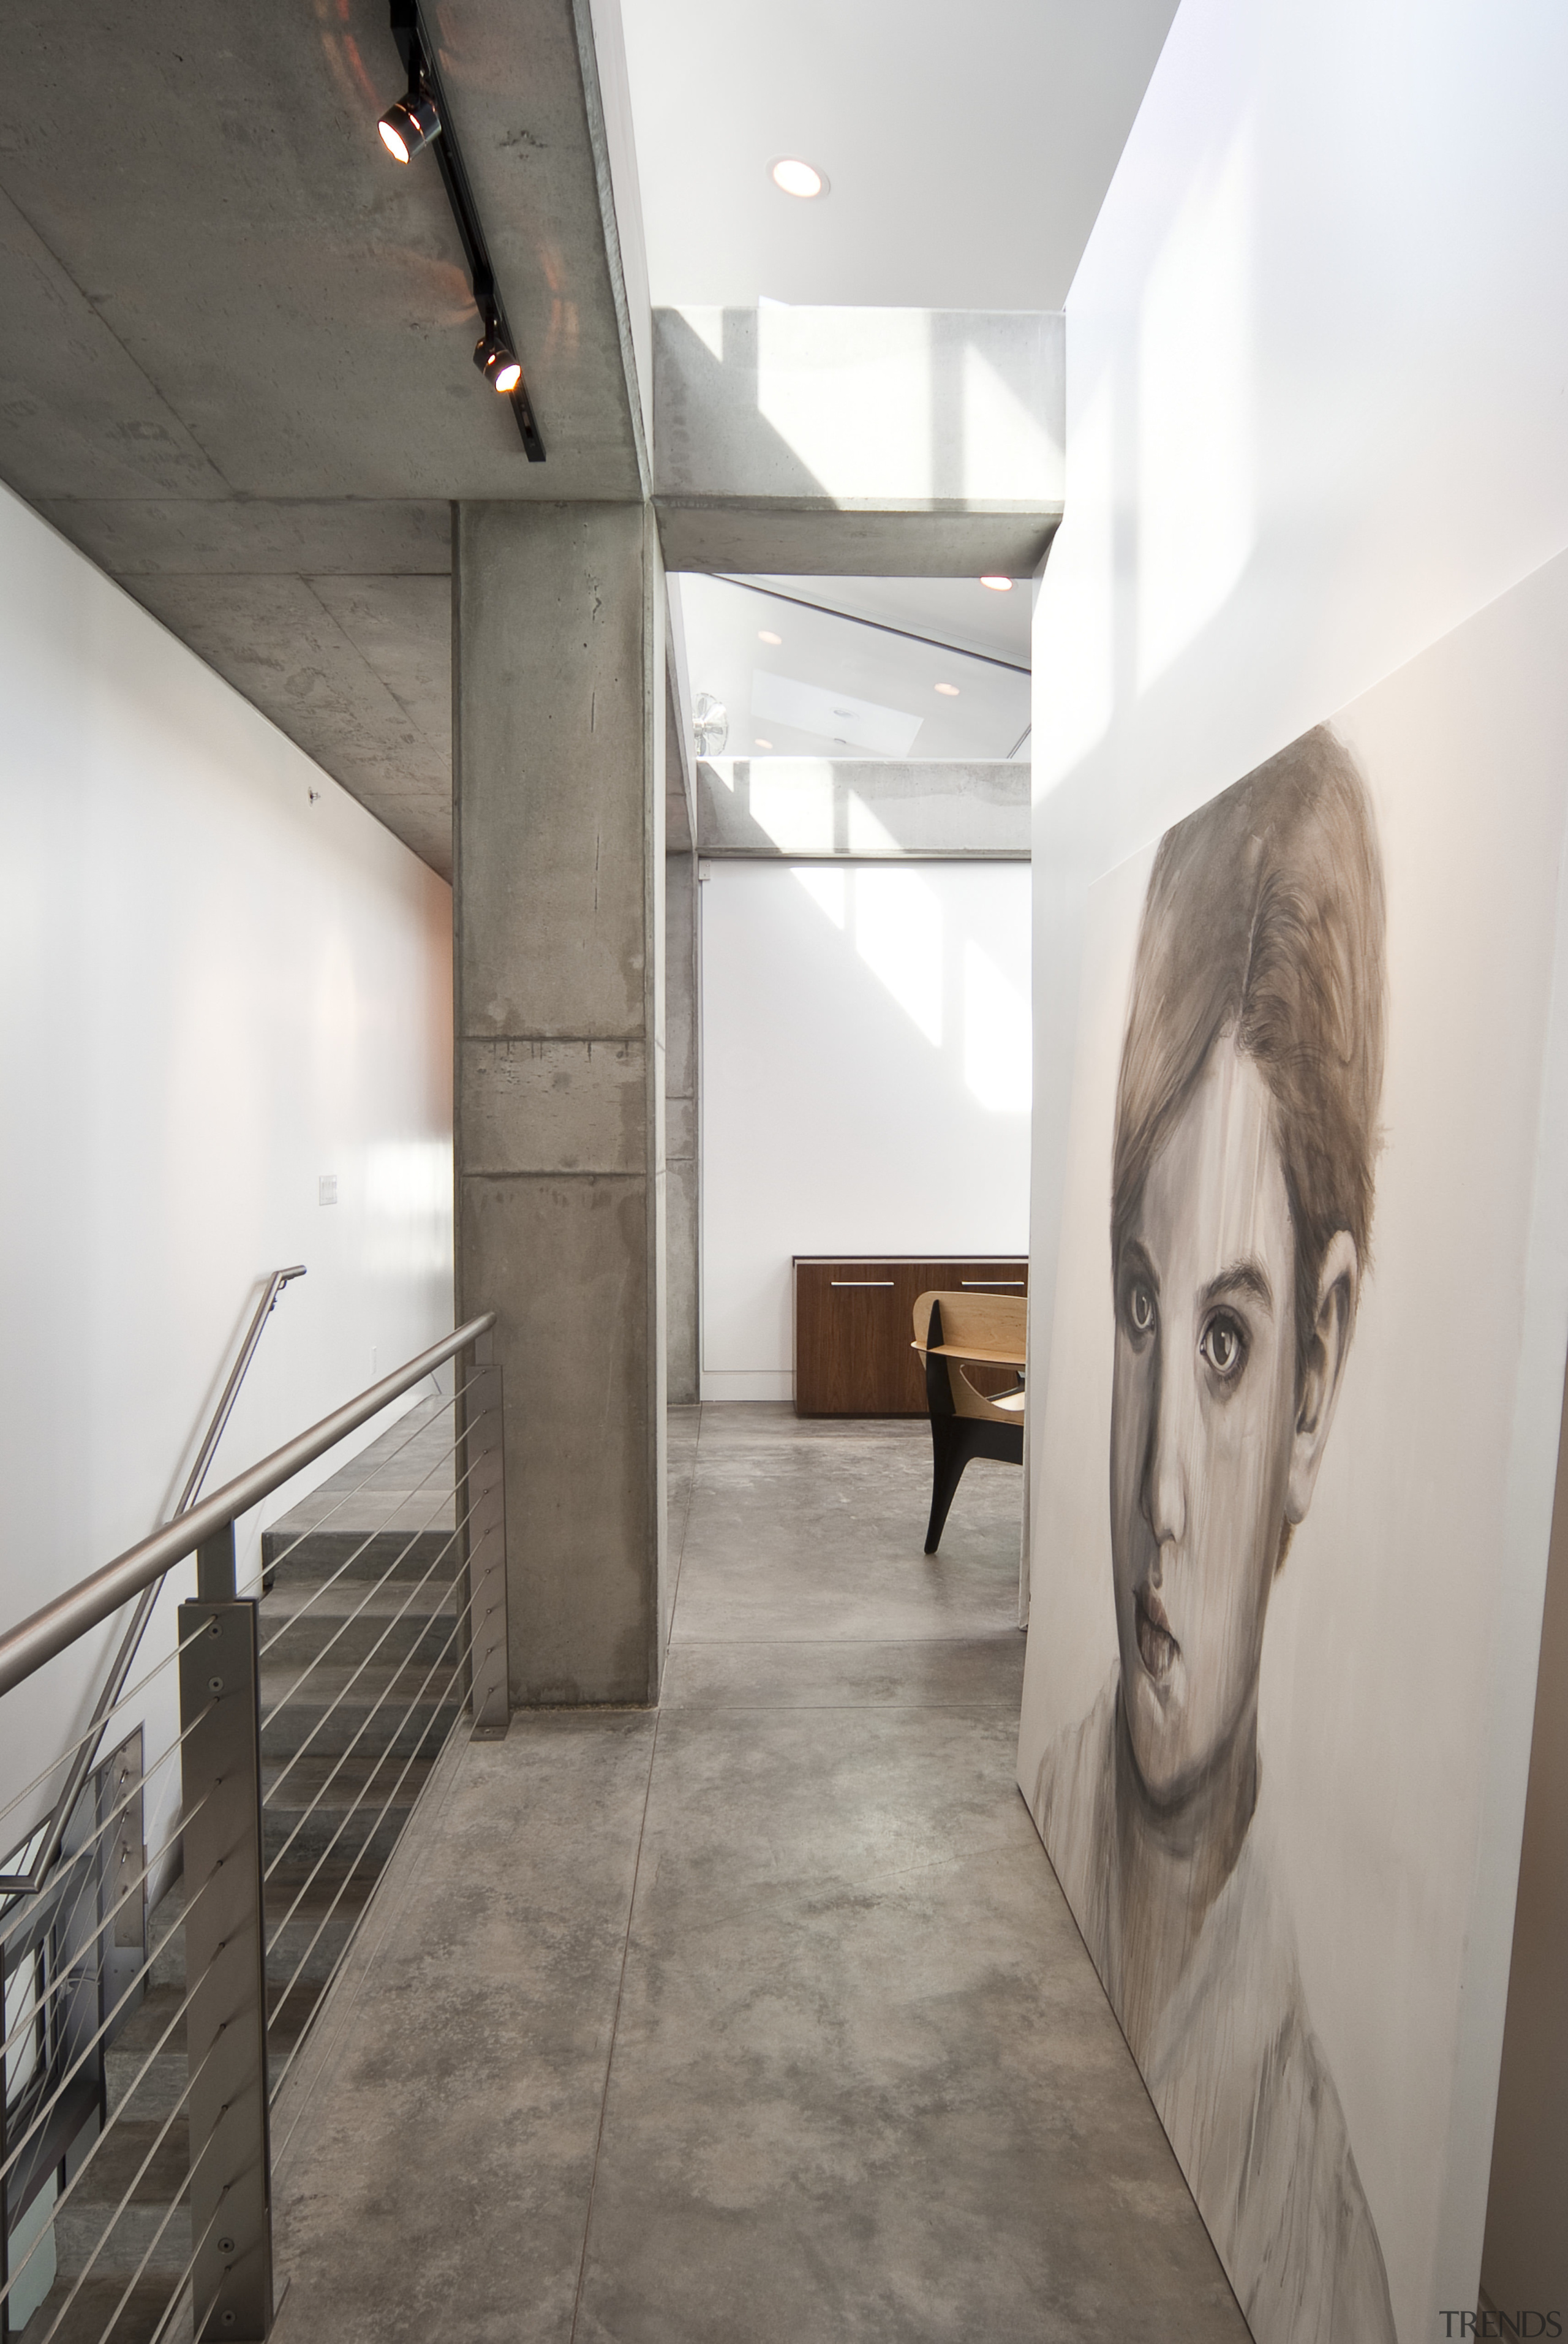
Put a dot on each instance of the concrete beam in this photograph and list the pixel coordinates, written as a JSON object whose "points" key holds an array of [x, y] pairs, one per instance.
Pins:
{"points": [[869, 443], [806, 807]]}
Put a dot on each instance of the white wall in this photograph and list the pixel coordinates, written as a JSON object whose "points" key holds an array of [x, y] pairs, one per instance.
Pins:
{"points": [[221, 979], [1315, 420], [865, 1083]]}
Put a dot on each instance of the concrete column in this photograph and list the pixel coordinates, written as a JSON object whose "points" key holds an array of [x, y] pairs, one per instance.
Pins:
{"points": [[682, 1090], [559, 853]]}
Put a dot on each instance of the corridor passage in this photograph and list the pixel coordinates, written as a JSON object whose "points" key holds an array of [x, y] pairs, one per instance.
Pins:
{"points": [[760, 2020]]}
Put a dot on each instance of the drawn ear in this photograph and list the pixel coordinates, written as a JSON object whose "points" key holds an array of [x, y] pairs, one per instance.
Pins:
{"points": [[1339, 1283]]}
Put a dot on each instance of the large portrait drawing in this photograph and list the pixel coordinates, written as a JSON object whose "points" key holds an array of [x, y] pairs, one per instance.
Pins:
{"points": [[1293, 1450], [1240, 1229]]}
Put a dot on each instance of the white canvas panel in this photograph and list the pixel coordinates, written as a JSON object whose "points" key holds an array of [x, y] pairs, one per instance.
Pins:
{"points": [[1371, 1894]]}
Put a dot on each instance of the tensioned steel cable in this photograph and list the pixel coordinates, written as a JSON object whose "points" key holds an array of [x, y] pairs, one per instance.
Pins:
{"points": [[76, 2178], [387, 1804], [61, 1922], [295, 1618], [72, 1747], [90, 2046], [158, 1667], [277, 1936], [349, 1560], [371, 1592], [344, 1691], [78, 1967], [342, 1890], [108, 2327], [375, 1472], [352, 1810], [385, 1695], [198, 2326]]}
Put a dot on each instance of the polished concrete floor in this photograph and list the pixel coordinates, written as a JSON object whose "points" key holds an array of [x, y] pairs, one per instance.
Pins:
{"points": [[758, 2020]]}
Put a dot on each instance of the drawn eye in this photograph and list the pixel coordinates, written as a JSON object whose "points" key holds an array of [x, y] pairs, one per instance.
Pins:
{"points": [[1223, 1345], [1140, 1306]]}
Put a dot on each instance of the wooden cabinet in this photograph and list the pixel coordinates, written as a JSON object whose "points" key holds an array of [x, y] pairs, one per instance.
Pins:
{"points": [[854, 1323]]}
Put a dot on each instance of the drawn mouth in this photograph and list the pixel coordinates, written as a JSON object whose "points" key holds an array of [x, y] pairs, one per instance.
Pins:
{"points": [[1157, 1646]]}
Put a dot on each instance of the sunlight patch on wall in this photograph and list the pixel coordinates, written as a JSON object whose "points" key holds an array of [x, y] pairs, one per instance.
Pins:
{"points": [[827, 889], [1197, 520], [868, 836], [898, 935], [843, 388], [408, 1207], [996, 1036], [1007, 450], [796, 809]]}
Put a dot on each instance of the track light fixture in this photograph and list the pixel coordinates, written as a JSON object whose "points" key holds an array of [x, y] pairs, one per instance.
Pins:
{"points": [[494, 357], [410, 125], [422, 118]]}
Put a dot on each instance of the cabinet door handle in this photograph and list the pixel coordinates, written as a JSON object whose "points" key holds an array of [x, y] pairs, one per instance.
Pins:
{"points": [[993, 1281], [860, 1281]]}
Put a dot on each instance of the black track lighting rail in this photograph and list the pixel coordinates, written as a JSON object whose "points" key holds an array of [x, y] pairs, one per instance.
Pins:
{"points": [[418, 56]]}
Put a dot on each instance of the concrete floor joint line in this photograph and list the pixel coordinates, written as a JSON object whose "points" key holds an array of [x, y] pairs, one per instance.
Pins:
{"points": [[614, 2028]]}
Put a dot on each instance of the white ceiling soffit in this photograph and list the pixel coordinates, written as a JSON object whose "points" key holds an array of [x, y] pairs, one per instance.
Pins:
{"points": [[959, 612], [967, 152], [800, 681]]}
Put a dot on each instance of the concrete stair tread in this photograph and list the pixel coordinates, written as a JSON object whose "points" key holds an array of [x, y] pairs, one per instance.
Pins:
{"points": [[87, 2319], [117, 2157], [145, 2028], [293, 1607], [348, 1556], [360, 1771], [358, 1682]]}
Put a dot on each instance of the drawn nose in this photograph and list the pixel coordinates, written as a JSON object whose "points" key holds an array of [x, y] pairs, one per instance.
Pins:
{"points": [[1165, 1466]]}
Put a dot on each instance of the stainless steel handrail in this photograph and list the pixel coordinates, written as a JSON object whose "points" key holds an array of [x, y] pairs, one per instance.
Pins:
{"points": [[28, 1881], [25, 1648]]}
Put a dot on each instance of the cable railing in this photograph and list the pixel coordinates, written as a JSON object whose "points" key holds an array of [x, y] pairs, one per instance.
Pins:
{"points": [[44, 1846], [211, 1870]]}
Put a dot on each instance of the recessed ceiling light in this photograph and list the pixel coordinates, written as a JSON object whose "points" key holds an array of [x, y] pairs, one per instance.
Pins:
{"points": [[760, 743], [767, 635], [949, 690], [798, 178], [998, 585]]}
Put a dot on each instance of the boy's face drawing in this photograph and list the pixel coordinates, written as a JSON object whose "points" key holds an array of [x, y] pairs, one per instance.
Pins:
{"points": [[1214, 1447]]}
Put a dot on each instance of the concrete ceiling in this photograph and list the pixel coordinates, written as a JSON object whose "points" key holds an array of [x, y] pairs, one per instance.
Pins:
{"points": [[236, 362], [968, 151], [237, 366]]}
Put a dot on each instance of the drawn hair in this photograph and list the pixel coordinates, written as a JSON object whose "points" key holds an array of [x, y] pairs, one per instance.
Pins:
{"points": [[1264, 919]]}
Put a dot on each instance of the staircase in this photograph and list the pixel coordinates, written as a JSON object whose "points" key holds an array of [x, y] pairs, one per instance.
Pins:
{"points": [[343, 1762]]}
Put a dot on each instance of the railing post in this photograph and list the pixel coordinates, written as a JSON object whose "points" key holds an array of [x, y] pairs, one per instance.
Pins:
{"points": [[225, 1973], [215, 1579], [483, 1498]]}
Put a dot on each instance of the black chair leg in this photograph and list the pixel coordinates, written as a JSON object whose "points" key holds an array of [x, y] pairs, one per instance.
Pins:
{"points": [[950, 1452]]}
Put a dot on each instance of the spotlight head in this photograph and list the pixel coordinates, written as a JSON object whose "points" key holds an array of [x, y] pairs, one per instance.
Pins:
{"points": [[496, 362], [410, 125]]}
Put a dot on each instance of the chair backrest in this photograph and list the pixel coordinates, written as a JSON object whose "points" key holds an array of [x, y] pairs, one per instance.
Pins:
{"points": [[976, 1323]]}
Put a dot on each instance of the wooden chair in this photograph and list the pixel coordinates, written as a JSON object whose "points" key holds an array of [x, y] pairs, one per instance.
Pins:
{"points": [[956, 1331]]}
